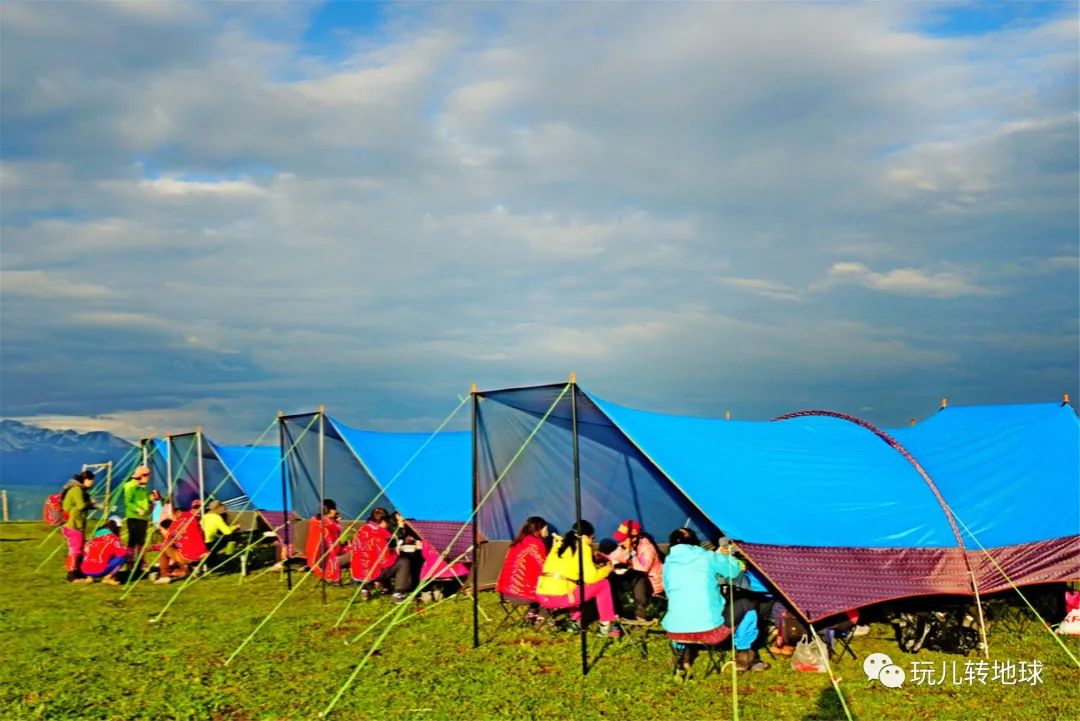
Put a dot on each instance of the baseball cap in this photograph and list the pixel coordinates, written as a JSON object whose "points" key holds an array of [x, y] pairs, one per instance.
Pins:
{"points": [[625, 529]]}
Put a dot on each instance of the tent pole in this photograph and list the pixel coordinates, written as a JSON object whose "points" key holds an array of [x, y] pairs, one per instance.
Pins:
{"points": [[285, 505], [199, 451], [577, 514], [323, 552], [476, 526], [168, 470], [982, 623]]}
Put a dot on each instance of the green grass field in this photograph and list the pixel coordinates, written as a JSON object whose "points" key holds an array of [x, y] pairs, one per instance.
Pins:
{"points": [[71, 652]]}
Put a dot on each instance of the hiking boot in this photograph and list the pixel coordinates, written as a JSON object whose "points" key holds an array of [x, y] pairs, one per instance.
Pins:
{"points": [[86, 579], [110, 581], [609, 630], [426, 597], [163, 580], [365, 594], [749, 661], [398, 597]]}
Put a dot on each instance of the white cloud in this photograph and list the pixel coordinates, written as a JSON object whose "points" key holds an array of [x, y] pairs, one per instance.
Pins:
{"points": [[172, 186], [762, 287], [50, 285], [906, 281]]}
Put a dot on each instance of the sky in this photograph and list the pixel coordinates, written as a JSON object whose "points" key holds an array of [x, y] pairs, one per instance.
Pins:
{"points": [[213, 212]]}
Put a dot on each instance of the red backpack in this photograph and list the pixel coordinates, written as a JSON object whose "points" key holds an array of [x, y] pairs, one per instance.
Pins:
{"points": [[52, 512]]}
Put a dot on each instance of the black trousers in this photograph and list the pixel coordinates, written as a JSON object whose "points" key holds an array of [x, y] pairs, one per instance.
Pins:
{"points": [[636, 584]]}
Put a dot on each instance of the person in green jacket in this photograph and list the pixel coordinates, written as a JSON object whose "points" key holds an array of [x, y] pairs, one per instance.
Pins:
{"points": [[137, 511], [76, 504]]}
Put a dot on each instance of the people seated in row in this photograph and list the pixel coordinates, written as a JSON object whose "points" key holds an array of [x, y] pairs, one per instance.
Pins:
{"points": [[697, 613], [104, 554], [637, 568], [558, 586], [372, 560], [183, 545], [523, 565]]}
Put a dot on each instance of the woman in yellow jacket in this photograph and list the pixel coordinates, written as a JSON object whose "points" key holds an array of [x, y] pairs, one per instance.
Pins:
{"points": [[558, 588]]}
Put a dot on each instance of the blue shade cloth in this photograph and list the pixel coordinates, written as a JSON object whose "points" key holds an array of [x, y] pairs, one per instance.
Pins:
{"points": [[344, 480], [808, 482], [217, 482], [257, 470], [1011, 473], [156, 454], [425, 477], [617, 481]]}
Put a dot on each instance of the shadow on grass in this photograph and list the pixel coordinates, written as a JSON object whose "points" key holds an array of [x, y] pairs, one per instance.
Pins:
{"points": [[828, 708]]}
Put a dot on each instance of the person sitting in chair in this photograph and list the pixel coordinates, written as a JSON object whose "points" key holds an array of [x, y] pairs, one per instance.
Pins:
{"points": [[696, 607], [523, 565], [183, 546], [558, 587], [220, 537], [637, 568], [372, 561]]}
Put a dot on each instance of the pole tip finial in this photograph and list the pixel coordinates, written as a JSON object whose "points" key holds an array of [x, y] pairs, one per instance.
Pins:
{"points": [[198, 429], [472, 389], [911, 421], [727, 415], [573, 377], [944, 402], [1065, 398], [322, 409], [281, 414]]}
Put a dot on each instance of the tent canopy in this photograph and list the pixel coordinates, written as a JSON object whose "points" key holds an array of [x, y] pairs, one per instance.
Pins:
{"points": [[836, 513], [423, 476]]}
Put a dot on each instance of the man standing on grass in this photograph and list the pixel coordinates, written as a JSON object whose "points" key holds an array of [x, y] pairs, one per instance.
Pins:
{"points": [[137, 513]]}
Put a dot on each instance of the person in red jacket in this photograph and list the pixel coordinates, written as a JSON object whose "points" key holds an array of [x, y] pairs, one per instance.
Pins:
{"points": [[371, 559], [324, 551], [104, 554], [523, 565], [183, 546]]}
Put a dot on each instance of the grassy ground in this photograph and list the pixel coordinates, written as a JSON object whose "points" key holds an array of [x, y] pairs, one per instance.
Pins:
{"points": [[83, 652]]}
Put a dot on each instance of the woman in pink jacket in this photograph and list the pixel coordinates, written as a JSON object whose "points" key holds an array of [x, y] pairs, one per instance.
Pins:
{"points": [[637, 567]]}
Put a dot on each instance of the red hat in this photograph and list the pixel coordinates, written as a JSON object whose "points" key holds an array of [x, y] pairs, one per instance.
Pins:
{"points": [[626, 528]]}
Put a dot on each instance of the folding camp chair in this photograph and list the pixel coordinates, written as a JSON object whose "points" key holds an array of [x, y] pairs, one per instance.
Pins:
{"points": [[680, 651], [514, 610], [635, 633]]}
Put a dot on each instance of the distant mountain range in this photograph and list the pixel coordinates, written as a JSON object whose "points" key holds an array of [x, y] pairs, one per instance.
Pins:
{"points": [[37, 461]]}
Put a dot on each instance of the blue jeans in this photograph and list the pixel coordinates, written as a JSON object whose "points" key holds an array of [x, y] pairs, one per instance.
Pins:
{"points": [[111, 568]]}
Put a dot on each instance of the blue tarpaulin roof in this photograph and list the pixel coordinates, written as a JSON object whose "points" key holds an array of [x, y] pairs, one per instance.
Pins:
{"points": [[257, 469], [1010, 473], [436, 483], [810, 482]]}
